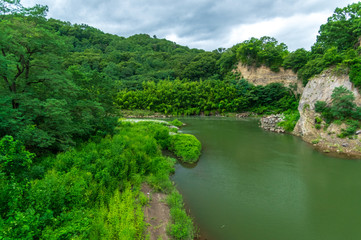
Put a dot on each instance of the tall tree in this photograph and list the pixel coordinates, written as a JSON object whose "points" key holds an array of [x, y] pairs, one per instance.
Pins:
{"points": [[15, 7], [342, 29]]}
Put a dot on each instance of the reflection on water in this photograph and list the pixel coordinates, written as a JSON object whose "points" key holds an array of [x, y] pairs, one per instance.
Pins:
{"points": [[250, 184]]}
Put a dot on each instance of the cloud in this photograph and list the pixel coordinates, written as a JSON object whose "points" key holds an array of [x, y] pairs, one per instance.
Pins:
{"points": [[206, 24], [284, 29]]}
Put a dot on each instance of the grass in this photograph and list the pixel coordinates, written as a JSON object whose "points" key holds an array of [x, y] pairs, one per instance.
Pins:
{"points": [[182, 226]]}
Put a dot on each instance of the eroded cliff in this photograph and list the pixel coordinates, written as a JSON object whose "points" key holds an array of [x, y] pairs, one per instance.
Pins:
{"points": [[263, 76], [320, 88]]}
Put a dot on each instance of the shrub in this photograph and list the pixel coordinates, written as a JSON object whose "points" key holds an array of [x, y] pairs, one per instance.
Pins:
{"points": [[350, 130], [186, 147], [176, 123], [291, 118], [318, 120], [14, 159], [342, 103]]}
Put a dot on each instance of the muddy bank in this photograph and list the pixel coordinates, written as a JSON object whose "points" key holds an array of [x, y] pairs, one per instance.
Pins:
{"points": [[156, 214]]}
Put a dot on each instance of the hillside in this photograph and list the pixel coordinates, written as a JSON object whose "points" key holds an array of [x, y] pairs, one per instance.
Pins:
{"points": [[71, 169]]}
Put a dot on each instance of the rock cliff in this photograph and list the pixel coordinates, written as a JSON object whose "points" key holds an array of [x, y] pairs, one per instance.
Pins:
{"points": [[325, 138], [263, 76]]}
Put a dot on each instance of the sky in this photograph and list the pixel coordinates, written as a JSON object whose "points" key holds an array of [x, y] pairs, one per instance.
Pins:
{"points": [[204, 24]]}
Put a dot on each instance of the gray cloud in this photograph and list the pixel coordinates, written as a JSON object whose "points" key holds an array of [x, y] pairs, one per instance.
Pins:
{"points": [[205, 24]]}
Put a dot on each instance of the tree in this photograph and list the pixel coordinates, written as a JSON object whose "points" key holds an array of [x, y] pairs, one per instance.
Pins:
{"points": [[342, 29], [47, 106], [14, 159], [296, 60], [264, 51], [342, 103], [29, 55], [15, 7]]}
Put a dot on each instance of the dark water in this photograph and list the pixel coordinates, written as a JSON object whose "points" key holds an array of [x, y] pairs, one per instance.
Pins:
{"points": [[250, 184]]}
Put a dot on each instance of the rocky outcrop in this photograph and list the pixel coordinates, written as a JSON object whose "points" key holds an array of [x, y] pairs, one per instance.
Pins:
{"points": [[263, 76], [244, 114], [270, 123], [324, 137]]}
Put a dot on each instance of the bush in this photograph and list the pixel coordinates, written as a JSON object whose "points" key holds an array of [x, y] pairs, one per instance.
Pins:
{"points": [[290, 120], [176, 123], [342, 103], [14, 159], [315, 141], [186, 147], [350, 130]]}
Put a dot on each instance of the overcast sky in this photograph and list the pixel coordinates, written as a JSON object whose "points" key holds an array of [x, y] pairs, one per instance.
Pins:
{"points": [[205, 24]]}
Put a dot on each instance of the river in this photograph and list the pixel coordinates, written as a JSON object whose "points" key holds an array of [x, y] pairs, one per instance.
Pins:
{"points": [[250, 184]]}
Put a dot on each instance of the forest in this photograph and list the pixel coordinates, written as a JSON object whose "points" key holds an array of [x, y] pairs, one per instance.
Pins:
{"points": [[65, 159]]}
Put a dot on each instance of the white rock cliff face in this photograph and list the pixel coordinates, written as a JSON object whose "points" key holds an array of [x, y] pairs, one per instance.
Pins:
{"points": [[320, 88], [263, 76]]}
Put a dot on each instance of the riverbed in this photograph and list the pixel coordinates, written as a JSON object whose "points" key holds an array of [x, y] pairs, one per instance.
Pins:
{"points": [[250, 184]]}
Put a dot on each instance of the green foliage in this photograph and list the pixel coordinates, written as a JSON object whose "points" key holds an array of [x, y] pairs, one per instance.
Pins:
{"points": [[14, 159], [355, 72], [186, 147], [89, 193], [342, 108], [15, 7], [315, 141], [321, 107], [311, 68], [290, 120], [227, 61], [296, 60], [342, 103], [182, 226], [337, 45], [318, 120], [342, 28], [193, 98], [264, 51], [47, 107], [176, 123], [352, 126], [124, 219]]}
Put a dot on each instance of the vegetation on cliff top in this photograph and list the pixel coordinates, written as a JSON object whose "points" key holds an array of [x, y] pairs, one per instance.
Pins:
{"points": [[338, 44]]}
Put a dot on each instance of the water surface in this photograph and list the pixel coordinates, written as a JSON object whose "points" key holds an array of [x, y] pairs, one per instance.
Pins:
{"points": [[250, 184]]}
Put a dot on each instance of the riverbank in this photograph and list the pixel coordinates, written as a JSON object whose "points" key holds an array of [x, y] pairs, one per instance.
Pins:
{"points": [[323, 139], [131, 114], [164, 213]]}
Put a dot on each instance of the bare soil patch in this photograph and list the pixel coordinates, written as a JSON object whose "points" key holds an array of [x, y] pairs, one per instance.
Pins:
{"points": [[156, 214]]}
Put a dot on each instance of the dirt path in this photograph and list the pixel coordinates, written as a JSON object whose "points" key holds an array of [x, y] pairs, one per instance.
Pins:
{"points": [[156, 214]]}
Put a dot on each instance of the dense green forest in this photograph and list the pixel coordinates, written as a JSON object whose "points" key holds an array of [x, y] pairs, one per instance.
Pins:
{"points": [[63, 83], [63, 87]]}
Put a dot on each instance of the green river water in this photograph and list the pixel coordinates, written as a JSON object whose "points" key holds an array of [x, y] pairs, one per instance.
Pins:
{"points": [[250, 184]]}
